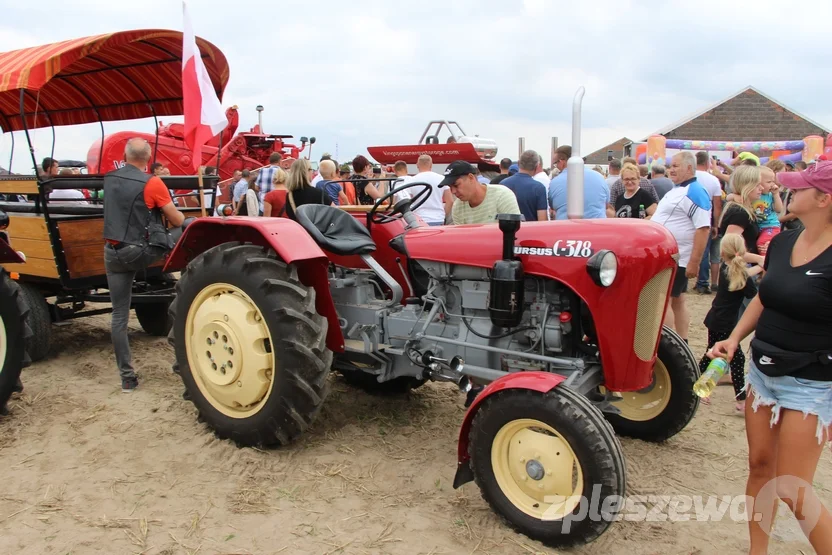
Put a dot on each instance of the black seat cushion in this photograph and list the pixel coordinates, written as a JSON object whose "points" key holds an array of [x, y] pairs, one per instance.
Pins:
{"points": [[335, 230]]}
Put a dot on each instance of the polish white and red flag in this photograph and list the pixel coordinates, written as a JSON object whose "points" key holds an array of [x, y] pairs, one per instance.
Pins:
{"points": [[204, 116]]}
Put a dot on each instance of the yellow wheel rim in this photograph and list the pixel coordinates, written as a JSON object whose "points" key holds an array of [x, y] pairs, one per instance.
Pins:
{"points": [[3, 344], [648, 403], [226, 340], [536, 469]]}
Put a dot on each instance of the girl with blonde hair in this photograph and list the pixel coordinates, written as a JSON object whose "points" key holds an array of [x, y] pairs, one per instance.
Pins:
{"points": [[738, 216], [735, 285], [300, 189], [274, 202], [299, 175]]}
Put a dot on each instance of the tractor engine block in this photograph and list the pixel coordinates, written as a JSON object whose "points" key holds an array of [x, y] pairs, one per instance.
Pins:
{"points": [[456, 308]]}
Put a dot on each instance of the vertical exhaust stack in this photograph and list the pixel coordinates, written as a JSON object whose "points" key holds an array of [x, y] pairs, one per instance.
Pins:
{"points": [[575, 164], [260, 117]]}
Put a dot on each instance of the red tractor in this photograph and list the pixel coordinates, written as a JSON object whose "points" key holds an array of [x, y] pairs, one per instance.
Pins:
{"points": [[563, 320], [14, 331]]}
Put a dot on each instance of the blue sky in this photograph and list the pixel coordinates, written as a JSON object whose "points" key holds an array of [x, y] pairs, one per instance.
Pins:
{"points": [[360, 73]]}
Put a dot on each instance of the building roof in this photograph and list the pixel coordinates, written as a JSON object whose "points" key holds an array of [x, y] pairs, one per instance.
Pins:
{"points": [[669, 128], [599, 157]]}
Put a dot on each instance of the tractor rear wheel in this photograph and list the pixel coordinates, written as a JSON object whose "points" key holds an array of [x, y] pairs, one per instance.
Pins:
{"points": [[548, 463], [662, 409], [250, 346], [14, 333], [39, 320]]}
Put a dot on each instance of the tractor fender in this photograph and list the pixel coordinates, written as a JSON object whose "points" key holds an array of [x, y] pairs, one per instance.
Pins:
{"points": [[286, 237], [542, 382]]}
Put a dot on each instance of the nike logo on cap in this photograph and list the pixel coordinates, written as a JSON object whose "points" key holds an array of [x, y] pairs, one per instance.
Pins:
{"points": [[811, 273]]}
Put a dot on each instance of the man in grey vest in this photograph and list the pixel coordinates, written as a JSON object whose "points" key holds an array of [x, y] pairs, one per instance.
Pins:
{"points": [[135, 237]]}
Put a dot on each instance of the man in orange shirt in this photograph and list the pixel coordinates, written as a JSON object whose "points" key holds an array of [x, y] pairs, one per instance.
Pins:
{"points": [[134, 238]]}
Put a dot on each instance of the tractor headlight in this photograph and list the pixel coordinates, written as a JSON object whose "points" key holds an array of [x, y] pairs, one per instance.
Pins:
{"points": [[603, 267]]}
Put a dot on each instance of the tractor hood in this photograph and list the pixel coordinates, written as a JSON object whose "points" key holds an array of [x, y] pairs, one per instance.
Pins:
{"points": [[555, 244], [627, 313]]}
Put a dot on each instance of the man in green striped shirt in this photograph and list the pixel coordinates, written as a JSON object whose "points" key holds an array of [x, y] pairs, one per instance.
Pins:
{"points": [[476, 203]]}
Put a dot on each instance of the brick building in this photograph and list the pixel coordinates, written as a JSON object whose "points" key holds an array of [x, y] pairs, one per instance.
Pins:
{"points": [[748, 115], [599, 157]]}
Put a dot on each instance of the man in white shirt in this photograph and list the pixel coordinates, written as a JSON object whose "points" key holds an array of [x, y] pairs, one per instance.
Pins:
{"points": [[615, 170], [64, 197], [686, 212], [400, 171], [710, 261], [436, 208], [540, 175]]}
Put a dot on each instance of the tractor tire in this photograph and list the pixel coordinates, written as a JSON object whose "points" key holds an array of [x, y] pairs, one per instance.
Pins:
{"points": [[14, 333], [154, 318], [668, 404], [542, 460], [250, 346], [40, 322], [368, 383]]}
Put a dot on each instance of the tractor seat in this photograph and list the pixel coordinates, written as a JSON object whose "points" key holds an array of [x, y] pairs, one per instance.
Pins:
{"points": [[335, 230]]}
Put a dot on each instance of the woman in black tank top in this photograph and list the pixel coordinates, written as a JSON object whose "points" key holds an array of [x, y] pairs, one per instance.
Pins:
{"points": [[789, 407]]}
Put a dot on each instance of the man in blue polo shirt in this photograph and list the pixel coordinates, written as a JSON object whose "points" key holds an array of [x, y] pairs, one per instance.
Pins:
{"points": [[596, 190], [530, 193]]}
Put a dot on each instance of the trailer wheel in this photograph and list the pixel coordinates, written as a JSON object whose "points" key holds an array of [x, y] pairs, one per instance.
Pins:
{"points": [[14, 332], [542, 460], [40, 322], [662, 409], [154, 318], [250, 346]]}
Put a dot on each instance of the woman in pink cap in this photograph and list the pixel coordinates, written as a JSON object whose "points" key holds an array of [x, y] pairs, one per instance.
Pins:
{"points": [[789, 406]]}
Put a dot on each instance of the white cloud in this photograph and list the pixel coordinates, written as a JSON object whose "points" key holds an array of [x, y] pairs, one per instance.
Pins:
{"points": [[374, 72]]}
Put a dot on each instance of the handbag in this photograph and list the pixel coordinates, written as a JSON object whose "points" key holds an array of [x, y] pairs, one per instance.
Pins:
{"points": [[775, 362]]}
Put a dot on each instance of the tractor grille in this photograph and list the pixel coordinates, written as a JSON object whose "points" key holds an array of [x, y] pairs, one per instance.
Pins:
{"points": [[650, 314]]}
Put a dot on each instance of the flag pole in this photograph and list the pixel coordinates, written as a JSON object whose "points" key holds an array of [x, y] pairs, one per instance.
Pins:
{"points": [[201, 190]]}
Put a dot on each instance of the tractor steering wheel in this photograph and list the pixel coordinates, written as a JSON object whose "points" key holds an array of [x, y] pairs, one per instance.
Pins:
{"points": [[401, 207]]}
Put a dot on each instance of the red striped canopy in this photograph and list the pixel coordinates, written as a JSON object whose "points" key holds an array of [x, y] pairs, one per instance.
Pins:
{"points": [[118, 76]]}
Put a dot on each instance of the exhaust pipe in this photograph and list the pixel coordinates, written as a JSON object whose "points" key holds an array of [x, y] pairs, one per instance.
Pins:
{"points": [[260, 117], [575, 164]]}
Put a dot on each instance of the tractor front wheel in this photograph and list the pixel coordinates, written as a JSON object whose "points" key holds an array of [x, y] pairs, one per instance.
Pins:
{"points": [[14, 333], [548, 463], [250, 346], [39, 320], [662, 409]]}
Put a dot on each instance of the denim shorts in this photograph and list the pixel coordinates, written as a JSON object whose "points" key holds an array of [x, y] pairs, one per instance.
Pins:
{"points": [[787, 392]]}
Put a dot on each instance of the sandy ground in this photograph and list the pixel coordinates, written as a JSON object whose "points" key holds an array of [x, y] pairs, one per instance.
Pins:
{"points": [[87, 469]]}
